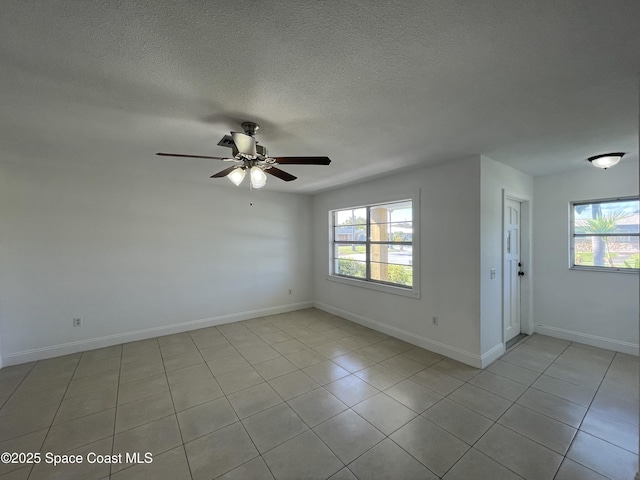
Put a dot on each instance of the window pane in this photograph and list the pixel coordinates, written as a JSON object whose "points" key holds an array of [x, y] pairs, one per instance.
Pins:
{"points": [[602, 251], [392, 273], [387, 253], [391, 232], [350, 268], [607, 217], [346, 233], [357, 216], [396, 212]]}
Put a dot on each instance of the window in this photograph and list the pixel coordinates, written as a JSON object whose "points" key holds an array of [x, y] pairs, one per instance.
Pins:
{"points": [[604, 235], [374, 244]]}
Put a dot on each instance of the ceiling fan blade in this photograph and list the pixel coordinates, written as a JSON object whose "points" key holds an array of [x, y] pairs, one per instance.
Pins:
{"points": [[189, 156], [302, 160], [276, 172], [245, 144], [224, 172]]}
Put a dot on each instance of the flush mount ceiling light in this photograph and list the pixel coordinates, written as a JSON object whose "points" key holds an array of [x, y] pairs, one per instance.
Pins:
{"points": [[606, 160], [248, 155]]}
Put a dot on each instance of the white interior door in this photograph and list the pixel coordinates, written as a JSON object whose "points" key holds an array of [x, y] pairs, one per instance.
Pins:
{"points": [[511, 269]]}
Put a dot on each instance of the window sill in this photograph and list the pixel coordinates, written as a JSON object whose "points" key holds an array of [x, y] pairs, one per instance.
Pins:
{"points": [[380, 287], [627, 271]]}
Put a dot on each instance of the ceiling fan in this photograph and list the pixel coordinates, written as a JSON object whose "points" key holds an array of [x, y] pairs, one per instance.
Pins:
{"points": [[247, 155]]}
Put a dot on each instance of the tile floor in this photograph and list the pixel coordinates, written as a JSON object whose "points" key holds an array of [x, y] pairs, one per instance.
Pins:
{"points": [[307, 395]]}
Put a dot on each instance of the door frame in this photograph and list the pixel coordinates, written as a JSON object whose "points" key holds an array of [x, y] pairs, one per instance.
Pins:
{"points": [[526, 283]]}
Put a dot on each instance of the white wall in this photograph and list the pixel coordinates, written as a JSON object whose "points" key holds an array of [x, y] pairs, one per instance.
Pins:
{"points": [[597, 308], [137, 257], [496, 179], [449, 263]]}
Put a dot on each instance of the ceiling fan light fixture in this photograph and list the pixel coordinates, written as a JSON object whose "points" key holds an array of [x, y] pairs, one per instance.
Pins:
{"points": [[606, 160], [236, 176], [258, 177]]}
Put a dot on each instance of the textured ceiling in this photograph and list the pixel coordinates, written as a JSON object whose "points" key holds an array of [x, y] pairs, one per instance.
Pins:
{"points": [[376, 86]]}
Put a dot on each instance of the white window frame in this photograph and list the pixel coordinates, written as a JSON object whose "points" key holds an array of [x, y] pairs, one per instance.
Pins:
{"points": [[414, 290], [573, 235]]}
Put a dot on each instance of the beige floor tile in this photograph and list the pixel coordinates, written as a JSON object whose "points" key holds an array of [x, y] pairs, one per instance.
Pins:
{"points": [[107, 365], [603, 457], [554, 407], [219, 452], [97, 401], [621, 434], [348, 435], [297, 457], [521, 455], [144, 387], [259, 354], [546, 431], [29, 403], [229, 363], [456, 369], [154, 437], [402, 365], [325, 372], [289, 346], [353, 361], [415, 396], [101, 353], [316, 406], [82, 431], [274, 426], [85, 470], [627, 391], [305, 358], [384, 413], [513, 372], [530, 362], [616, 407], [275, 367], [171, 465], [239, 379], [569, 391], [89, 385], [430, 444], [578, 377], [481, 401], [136, 371], [275, 337], [189, 395], [293, 384], [254, 399], [379, 376], [206, 418], [437, 381], [139, 412], [182, 361], [331, 349], [26, 443], [19, 424], [218, 351], [504, 387], [254, 469], [377, 352], [388, 461], [351, 390], [476, 465], [570, 470], [195, 373], [423, 356], [458, 420]]}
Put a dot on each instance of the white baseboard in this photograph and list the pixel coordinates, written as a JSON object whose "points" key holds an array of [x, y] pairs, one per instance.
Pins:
{"points": [[588, 339], [409, 337], [125, 337], [492, 355]]}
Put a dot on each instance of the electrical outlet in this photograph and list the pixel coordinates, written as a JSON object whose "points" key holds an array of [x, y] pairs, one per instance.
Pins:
{"points": [[77, 322], [435, 320]]}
